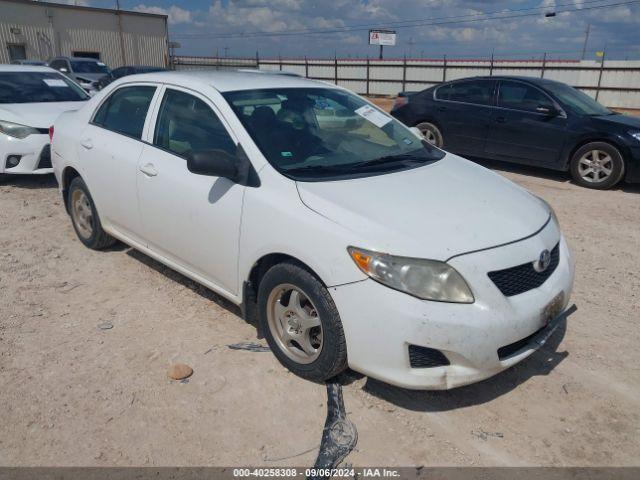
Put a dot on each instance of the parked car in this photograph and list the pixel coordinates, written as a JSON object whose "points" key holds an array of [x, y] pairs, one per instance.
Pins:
{"points": [[85, 71], [30, 100], [364, 247], [531, 121], [120, 72]]}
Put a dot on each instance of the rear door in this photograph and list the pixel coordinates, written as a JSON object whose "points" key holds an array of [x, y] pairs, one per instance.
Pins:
{"points": [[519, 132], [191, 220], [463, 110], [109, 149]]}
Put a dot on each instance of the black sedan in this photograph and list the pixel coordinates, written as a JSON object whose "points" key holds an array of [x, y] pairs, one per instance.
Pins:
{"points": [[531, 121], [120, 72]]}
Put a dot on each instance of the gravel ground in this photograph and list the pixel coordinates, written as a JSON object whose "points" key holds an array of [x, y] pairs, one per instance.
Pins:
{"points": [[77, 393]]}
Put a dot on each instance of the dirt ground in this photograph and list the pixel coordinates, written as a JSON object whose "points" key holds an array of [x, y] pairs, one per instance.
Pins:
{"points": [[76, 394]]}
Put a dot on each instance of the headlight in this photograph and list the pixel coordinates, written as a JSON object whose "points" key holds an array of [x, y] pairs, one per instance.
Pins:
{"points": [[635, 135], [16, 130], [552, 212], [425, 279]]}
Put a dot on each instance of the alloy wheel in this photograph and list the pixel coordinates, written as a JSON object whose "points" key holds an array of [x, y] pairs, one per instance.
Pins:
{"points": [[595, 166], [294, 323]]}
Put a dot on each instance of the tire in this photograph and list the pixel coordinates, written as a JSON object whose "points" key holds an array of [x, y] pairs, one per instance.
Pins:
{"points": [[84, 217], [432, 134], [276, 307], [604, 160]]}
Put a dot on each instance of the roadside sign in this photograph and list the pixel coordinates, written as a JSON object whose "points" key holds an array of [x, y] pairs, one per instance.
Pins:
{"points": [[382, 37]]}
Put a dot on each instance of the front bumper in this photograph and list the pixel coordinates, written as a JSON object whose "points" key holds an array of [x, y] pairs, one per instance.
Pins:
{"points": [[33, 151], [380, 323]]}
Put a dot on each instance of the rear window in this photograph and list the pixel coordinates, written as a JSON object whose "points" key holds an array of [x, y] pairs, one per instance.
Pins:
{"points": [[38, 87]]}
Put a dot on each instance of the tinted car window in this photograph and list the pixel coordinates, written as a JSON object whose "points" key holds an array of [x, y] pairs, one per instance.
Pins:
{"points": [[79, 66], [521, 96], [185, 123], [37, 87], [58, 64], [479, 92], [125, 110]]}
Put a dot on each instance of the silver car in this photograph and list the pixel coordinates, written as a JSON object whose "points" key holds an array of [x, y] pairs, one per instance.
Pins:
{"points": [[85, 71]]}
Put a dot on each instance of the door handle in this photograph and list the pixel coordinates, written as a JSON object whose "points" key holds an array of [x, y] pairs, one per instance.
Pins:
{"points": [[87, 143], [149, 170], [501, 120], [442, 109]]}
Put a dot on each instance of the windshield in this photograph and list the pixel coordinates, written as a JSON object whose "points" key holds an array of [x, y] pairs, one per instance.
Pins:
{"points": [[89, 67], [312, 134], [36, 87], [578, 101]]}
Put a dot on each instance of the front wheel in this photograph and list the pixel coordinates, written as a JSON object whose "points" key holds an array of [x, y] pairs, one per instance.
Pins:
{"points": [[301, 323], [431, 133], [597, 165]]}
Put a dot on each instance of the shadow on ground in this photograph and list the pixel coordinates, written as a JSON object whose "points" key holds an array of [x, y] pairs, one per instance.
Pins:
{"points": [[542, 362], [28, 181], [552, 175]]}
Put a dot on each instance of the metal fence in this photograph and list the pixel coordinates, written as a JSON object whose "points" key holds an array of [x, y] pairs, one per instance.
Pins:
{"points": [[615, 83]]}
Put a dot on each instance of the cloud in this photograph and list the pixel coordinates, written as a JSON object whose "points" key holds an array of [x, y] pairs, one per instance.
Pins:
{"points": [[175, 13]]}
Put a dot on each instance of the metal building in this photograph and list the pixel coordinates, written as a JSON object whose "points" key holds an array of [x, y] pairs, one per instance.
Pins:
{"points": [[41, 30]]}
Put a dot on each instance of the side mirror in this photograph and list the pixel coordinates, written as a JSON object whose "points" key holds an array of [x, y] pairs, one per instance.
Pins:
{"points": [[218, 163], [64, 70], [548, 110]]}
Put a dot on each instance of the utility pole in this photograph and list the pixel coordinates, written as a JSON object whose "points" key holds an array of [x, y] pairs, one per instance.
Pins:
{"points": [[122, 49], [380, 56], [586, 39], [411, 43]]}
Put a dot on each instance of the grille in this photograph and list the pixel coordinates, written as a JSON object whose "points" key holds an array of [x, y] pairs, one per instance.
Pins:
{"points": [[423, 357], [520, 279], [509, 350], [45, 157]]}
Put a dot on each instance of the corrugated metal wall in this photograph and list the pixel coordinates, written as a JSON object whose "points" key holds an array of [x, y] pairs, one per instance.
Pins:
{"points": [[49, 30], [619, 79]]}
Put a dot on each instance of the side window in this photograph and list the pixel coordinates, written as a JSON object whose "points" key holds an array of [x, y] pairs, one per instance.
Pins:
{"points": [[442, 93], [521, 96], [57, 64], [479, 92], [125, 110], [185, 123]]}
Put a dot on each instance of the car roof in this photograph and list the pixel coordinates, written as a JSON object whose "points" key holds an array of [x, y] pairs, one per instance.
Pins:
{"points": [[227, 81], [76, 59], [534, 80], [26, 68]]}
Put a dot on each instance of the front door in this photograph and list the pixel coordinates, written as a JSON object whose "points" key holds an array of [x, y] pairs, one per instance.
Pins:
{"points": [[463, 110], [519, 132], [110, 147], [191, 220]]}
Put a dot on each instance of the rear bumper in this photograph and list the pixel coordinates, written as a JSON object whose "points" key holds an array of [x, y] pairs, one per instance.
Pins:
{"points": [[380, 323], [31, 150]]}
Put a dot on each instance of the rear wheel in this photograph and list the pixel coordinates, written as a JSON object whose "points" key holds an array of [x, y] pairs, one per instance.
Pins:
{"points": [[431, 133], [597, 165], [301, 322], [85, 218]]}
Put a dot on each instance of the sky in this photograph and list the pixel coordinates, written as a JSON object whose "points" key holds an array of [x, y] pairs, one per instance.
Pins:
{"points": [[451, 27]]}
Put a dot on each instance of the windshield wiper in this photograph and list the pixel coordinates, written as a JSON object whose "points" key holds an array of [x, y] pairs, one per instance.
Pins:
{"points": [[387, 159]]}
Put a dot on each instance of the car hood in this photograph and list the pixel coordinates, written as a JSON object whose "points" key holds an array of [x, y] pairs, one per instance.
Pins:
{"points": [[620, 119], [90, 76], [39, 115], [447, 208]]}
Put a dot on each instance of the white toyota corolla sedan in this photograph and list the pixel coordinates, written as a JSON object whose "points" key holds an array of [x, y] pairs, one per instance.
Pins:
{"points": [[351, 240], [31, 98]]}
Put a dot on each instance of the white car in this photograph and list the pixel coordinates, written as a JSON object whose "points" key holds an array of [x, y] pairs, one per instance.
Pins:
{"points": [[363, 246], [31, 98]]}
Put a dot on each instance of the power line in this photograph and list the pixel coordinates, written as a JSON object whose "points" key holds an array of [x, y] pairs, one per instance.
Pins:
{"points": [[434, 21]]}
